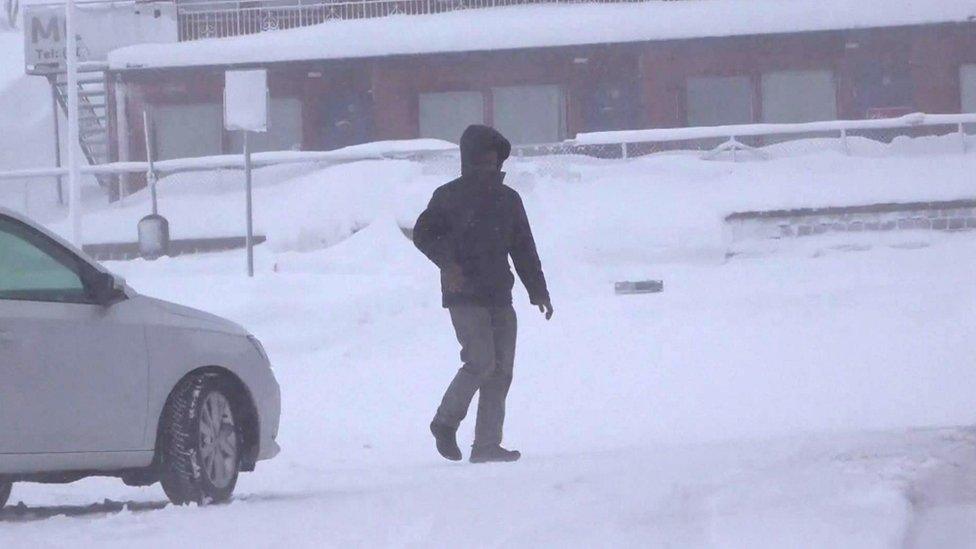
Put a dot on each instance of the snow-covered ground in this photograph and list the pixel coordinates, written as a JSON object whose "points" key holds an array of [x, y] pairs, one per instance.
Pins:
{"points": [[810, 398], [813, 397], [659, 207]]}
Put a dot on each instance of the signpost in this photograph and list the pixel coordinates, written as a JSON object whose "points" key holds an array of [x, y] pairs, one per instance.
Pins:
{"points": [[154, 228], [74, 177], [246, 110]]}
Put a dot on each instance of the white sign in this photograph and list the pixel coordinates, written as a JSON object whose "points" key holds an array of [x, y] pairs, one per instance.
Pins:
{"points": [[100, 28], [246, 100], [44, 45]]}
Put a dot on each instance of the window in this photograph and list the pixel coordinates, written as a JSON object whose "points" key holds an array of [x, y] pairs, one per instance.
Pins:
{"points": [[719, 101], [883, 87], [284, 129], [799, 96], [345, 118], [967, 82], [32, 268], [530, 114], [446, 115], [612, 106], [187, 131]]}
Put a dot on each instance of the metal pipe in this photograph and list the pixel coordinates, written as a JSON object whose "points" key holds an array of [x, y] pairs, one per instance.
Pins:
{"points": [[56, 110], [74, 177], [250, 207], [151, 172]]}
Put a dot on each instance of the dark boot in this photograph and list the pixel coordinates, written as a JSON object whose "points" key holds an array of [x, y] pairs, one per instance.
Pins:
{"points": [[446, 438], [487, 454]]}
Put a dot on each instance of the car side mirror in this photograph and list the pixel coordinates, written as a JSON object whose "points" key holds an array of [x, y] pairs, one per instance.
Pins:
{"points": [[107, 288]]}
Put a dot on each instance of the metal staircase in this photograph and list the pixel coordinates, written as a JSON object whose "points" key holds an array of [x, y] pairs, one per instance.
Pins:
{"points": [[92, 117]]}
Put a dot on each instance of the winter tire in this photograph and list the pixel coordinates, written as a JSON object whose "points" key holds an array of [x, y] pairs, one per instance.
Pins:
{"points": [[5, 487], [200, 441]]}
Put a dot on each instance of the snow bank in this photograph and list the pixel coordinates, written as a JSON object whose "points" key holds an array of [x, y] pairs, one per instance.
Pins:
{"points": [[663, 207], [542, 26], [742, 130]]}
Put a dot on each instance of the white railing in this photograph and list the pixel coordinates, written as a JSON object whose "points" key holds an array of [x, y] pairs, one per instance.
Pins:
{"points": [[732, 134], [223, 18], [618, 144], [226, 161], [28, 182], [613, 139]]}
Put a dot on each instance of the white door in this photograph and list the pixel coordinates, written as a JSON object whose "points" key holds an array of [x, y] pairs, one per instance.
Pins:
{"points": [[73, 374], [967, 85], [446, 115], [530, 115]]}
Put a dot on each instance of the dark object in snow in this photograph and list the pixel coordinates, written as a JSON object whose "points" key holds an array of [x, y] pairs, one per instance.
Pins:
{"points": [[446, 438], [5, 486], [497, 454], [469, 230], [473, 224], [153, 237], [640, 287]]}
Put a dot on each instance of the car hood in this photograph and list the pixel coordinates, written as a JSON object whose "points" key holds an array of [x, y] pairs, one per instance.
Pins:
{"points": [[189, 318]]}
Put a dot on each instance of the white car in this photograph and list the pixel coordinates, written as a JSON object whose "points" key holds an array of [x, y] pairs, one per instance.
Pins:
{"points": [[96, 379]]}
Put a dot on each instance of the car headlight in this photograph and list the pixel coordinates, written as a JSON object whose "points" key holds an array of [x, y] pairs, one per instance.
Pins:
{"points": [[260, 348]]}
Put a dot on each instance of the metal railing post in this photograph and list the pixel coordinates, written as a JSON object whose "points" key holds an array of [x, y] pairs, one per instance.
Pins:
{"points": [[843, 142], [962, 137]]}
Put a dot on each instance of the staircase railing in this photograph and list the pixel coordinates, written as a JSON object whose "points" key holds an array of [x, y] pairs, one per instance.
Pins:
{"points": [[93, 135]]}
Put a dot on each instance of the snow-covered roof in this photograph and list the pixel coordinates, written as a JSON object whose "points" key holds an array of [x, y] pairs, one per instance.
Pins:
{"points": [[532, 26]]}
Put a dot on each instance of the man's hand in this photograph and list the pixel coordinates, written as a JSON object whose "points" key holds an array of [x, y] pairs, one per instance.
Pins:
{"points": [[546, 309], [453, 278]]}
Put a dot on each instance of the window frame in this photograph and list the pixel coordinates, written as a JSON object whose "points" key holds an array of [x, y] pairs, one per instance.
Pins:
{"points": [[60, 254], [562, 123], [159, 135], [967, 94], [754, 104], [484, 98], [767, 81]]}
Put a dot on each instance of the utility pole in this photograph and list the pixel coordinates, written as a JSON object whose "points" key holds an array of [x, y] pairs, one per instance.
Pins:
{"points": [[74, 178]]}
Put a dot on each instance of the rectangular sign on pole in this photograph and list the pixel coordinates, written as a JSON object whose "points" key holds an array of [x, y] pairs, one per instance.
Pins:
{"points": [[246, 110], [246, 100], [99, 28], [44, 39]]}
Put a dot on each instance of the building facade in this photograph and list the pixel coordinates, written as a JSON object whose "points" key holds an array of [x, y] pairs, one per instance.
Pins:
{"points": [[543, 95]]}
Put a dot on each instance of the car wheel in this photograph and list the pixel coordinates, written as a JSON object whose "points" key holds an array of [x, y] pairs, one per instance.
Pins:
{"points": [[200, 442], [5, 487]]}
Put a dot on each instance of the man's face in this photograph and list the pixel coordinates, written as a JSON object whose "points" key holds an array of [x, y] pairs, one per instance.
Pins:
{"points": [[485, 165]]}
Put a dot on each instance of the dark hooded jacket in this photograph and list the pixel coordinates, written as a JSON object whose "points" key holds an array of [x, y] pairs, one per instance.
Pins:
{"points": [[473, 225]]}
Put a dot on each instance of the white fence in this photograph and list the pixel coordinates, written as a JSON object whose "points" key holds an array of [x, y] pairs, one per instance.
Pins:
{"points": [[39, 189], [222, 18], [625, 140], [618, 144]]}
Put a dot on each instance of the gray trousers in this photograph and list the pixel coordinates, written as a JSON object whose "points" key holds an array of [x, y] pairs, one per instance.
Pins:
{"points": [[487, 336]]}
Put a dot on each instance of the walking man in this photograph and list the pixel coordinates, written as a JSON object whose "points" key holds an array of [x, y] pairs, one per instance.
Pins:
{"points": [[469, 229]]}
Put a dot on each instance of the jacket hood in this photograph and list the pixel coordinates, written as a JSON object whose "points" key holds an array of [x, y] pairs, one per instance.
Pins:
{"points": [[478, 139]]}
